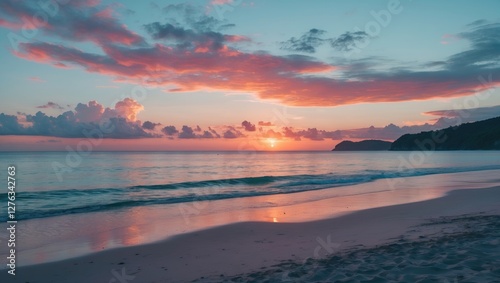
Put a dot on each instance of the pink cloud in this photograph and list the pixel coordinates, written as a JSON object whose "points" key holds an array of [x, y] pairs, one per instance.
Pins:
{"points": [[94, 112], [268, 76], [119, 121], [212, 64], [449, 38], [128, 108], [221, 2], [36, 79], [290, 80], [83, 20], [265, 124], [10, 24]]}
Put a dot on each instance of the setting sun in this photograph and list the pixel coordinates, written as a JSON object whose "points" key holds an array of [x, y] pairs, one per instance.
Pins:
{"points": [[271, 142]]}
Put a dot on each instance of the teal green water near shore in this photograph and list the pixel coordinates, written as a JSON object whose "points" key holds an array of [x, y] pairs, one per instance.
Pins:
{"points": [[120, 181]]}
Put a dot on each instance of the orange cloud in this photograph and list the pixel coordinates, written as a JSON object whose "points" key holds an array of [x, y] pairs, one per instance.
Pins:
{"points": [[211, 63], [290, 80], [128, 108]]}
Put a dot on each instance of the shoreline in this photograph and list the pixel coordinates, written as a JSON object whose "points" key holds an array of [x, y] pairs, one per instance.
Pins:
{"points": [[70, 236], [244, 247]]}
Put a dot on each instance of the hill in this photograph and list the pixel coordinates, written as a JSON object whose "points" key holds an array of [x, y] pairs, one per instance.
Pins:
{"points": [[481, 135], [362, 145]]}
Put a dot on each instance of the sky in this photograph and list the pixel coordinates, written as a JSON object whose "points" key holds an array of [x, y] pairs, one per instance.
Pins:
{"points": [[241, 75]]}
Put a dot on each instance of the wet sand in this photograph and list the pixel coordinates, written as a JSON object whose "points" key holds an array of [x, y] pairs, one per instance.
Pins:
{"points": [[237, 252]]}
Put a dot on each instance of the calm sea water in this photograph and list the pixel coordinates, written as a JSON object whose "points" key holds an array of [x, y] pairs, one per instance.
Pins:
{"points": [[105, 181]]}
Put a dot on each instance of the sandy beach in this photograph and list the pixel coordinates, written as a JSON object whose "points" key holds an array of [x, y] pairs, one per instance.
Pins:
{"points": [[249, 141], [307, 251]]}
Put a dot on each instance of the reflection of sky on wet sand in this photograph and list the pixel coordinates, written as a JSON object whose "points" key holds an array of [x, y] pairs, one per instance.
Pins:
{"points": [[73, 235]]}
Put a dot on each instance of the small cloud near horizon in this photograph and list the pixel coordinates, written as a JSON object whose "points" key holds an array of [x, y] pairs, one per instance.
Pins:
{"points": [[48, 141], [52, 105], [123, 119], [37, 80]]}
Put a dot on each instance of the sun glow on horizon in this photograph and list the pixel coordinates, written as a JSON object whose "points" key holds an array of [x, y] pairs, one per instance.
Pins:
{"points": [[271, 142]]}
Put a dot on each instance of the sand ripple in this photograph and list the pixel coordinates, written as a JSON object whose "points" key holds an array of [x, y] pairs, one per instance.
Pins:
{"points": [[460, 249]]}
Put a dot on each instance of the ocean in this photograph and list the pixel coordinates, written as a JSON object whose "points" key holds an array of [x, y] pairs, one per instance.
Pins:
{"points": [[67, 207], [48, 184]]}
